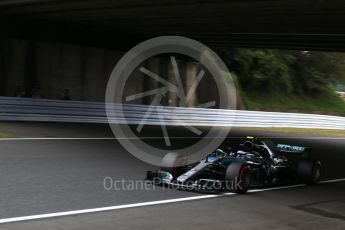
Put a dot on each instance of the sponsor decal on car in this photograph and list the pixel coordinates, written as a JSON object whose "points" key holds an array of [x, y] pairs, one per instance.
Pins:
{"points": [[291, 147]]}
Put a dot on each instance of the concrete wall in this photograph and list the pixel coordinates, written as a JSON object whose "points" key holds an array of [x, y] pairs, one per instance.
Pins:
{"points": [[56, 67], [84, 71]]}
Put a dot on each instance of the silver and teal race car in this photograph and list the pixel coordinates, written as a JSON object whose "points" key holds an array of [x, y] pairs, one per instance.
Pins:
{"points": [[255, 163]]}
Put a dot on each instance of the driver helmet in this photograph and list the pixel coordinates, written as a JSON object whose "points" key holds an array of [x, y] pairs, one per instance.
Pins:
{"points": [[248, 145]]}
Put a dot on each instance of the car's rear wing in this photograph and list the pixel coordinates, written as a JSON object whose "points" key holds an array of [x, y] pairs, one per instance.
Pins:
{"points": [[294, 149]]}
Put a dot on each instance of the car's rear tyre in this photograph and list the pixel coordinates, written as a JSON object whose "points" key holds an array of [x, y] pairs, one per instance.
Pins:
{"points": [[238, 177], [309, 171]]}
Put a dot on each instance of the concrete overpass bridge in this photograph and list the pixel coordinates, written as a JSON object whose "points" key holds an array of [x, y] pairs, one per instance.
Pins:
{"points": [[303, 24], [65, 44]]}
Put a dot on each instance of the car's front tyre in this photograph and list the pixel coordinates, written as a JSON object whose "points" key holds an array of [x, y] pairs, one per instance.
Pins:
{"points": [[174, 163], [238, 177]]}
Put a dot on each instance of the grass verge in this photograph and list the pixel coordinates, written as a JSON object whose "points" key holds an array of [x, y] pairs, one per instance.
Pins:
{"points": [[309, 132], [328, 103], [4, 135]]}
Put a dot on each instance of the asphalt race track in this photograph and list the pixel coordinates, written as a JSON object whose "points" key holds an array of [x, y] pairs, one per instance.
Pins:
{"points": [[45, 176]]}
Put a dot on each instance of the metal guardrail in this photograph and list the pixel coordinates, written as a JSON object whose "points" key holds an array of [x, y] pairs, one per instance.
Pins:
{"points": [[43, 110]]}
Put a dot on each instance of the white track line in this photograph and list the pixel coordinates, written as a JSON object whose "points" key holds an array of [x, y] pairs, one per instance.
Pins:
{"points": [[332, 181], [158, 138], [58, 138], [144, 204]]}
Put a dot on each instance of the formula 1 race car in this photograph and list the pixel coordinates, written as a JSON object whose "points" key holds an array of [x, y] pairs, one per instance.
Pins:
{"points": [[255, 163]]}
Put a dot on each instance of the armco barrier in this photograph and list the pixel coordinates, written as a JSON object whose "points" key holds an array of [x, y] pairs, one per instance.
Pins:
{"points": [[43, 110]]}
